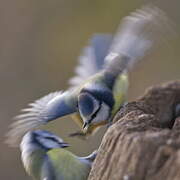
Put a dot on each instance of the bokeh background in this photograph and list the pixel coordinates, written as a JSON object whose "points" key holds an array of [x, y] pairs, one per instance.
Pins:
{"points": [[39, 45]]}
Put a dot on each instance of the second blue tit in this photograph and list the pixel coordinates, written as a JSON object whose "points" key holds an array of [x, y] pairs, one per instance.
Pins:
{"points": [[100, 87], [44, 158]]}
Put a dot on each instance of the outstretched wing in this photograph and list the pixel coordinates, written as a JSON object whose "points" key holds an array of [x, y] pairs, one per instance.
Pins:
{"points": [[43, 110], [137, 35], [92, 58]]}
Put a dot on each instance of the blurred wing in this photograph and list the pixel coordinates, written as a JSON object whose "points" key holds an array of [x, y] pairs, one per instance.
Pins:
{"points": [[137, 35], [40, 112], [92, 59]]}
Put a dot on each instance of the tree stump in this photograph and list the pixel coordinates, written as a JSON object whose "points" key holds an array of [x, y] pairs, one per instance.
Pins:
{"points": [[144, 141]]}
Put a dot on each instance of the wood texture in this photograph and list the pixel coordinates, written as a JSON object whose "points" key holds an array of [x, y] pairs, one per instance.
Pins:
{"points": [[144, 141]]}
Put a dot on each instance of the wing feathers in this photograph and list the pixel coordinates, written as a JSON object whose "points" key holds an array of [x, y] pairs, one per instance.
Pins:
{"points": [[137, 35], [32, 117], [92, 59]]}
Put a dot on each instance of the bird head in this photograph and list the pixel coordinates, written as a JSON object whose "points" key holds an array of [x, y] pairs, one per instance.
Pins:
{"points": [[95, 104], [43, 139]]}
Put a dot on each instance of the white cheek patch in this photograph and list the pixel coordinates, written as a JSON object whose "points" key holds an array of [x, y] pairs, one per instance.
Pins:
{"points": [[103, 114]]}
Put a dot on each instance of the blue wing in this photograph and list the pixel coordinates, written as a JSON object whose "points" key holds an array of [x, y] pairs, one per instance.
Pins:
{"points": [[43, 110], [92, 58]]}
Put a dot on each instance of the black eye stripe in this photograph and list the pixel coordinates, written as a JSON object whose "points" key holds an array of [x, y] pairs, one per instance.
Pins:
{"points": [[95, 113], [51, 138]]}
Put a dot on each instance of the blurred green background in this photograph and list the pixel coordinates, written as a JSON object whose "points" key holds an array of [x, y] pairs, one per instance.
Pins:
{"points": [[39, 45]]}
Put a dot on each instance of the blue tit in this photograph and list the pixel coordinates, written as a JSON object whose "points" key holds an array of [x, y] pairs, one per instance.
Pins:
{"points": [[44, 158], [101, 83]]}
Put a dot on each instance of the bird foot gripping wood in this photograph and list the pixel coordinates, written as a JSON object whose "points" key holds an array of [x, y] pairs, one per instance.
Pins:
{"points": [[144, 141]]}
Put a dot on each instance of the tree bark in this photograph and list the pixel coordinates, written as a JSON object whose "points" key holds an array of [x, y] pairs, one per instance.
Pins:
{"points": [[144, 141]]}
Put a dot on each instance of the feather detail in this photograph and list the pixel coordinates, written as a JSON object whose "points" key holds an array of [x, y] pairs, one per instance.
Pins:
{"points": [[31, 118], [137, 35], [92, 59]]}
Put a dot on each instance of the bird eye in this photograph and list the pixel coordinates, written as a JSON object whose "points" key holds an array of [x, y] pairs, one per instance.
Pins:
{"points": [[95, 113]]}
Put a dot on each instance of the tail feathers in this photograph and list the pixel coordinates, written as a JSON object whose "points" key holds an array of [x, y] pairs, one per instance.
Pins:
{"points": [[30, 118], [137, 35]]}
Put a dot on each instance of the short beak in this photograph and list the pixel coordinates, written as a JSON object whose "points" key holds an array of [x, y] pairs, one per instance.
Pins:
{"points": [[64, 145], [85, 125]]}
